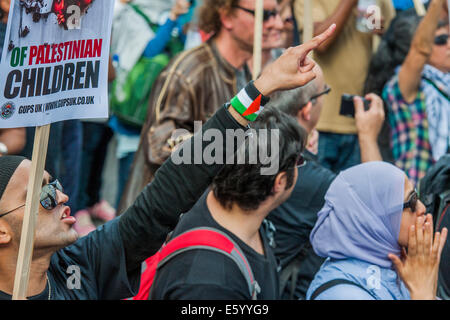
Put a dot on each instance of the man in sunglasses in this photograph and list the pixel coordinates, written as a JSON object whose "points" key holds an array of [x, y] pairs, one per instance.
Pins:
{"points": [[197, 81], [295, 218], [418, 96], [106, 264]]}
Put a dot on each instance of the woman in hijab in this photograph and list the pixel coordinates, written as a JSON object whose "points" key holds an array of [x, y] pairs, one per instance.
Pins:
{"points": [[371, 215]]}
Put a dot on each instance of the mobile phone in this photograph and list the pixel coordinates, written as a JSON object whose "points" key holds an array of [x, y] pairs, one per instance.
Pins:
{"points": [[348, 106]]}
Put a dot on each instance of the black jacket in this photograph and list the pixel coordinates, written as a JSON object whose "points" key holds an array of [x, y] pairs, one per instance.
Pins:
{"points": [[176, 188]]}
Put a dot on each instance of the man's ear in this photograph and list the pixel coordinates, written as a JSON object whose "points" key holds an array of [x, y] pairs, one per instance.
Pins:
{"points": [[305, 112], [280, 182], [5, 233], [226, 18]]}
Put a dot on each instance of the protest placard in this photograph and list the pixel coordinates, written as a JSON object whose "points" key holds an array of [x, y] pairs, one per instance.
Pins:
{"points": [[54, 64], [54, 67]]}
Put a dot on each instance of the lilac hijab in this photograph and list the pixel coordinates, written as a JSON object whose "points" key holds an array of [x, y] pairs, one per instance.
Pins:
{"points": [[362, 214]]}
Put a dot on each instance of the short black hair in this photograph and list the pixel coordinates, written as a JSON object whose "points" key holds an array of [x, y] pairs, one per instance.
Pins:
{"points": [[243, 184]]}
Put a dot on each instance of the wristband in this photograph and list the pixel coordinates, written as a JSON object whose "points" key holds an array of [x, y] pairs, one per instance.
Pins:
{"points": [[249, 102]]}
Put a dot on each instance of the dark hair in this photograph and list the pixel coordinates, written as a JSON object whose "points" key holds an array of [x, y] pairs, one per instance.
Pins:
{"points": [[243, 184], [209, 14]]}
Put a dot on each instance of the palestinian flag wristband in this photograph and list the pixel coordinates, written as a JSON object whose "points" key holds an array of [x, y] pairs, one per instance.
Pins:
{"points": [[249, 102]]}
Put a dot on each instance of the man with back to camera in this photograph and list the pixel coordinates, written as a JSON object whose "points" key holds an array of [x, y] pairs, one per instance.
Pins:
{"points": [[345, 61], [295, 218]]}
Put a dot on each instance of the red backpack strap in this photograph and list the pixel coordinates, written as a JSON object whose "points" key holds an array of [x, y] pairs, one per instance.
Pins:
{"points": [[214, 240]]}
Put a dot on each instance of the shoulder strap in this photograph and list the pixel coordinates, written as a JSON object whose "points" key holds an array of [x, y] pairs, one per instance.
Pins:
{"points": [[436, 87], [152, 25], [335, 282], [214, 240], [443, 208]]}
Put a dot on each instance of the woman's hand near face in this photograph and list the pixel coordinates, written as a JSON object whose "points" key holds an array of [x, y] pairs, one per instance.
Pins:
{"points": [[419, 267]]}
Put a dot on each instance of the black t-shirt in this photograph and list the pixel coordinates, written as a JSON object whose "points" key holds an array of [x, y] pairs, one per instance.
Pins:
{"points": [[100, 259], [296, 217], [207, 275]]}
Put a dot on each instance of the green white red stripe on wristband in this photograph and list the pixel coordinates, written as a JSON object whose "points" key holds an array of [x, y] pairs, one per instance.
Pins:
{"points": [[249, 102]]}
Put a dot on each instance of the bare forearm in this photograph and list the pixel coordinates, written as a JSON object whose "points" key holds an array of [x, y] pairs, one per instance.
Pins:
{"points": [[369, 149], [339, 17], [421, 48], [423, 39]]}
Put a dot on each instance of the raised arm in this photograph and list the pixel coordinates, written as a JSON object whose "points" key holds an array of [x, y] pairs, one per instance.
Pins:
{"points": [[176, 188], [368, 124], [420, 51]]}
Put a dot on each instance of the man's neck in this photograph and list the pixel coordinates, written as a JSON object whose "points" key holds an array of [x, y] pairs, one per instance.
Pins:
{"points": [[37, 279], [230, 50], [244, 224]]}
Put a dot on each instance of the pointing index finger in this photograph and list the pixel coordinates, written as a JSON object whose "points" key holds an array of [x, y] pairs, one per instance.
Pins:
{"points": [[315, 42]]}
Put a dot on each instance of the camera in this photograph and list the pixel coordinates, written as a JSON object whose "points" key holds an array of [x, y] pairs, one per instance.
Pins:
{"points": [[348, 106]]}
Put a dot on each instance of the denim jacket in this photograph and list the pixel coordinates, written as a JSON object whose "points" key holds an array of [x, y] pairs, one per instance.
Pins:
{"points": [[382, 283]]}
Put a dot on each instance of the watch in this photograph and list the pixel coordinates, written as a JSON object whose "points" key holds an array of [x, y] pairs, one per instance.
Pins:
{"points": [[3, 148]]}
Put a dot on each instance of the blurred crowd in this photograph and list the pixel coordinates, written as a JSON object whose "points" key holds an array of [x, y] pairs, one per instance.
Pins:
{"points": [[378, 109]]}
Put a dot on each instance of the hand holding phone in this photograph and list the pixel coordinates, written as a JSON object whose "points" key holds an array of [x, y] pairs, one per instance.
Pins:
{"points": [[348, 105], [369, 121]]}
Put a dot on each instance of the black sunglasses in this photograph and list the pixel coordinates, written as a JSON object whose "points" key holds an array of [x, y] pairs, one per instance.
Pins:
{"points": [[267, 14], [47, 198], [327, 90], [412, 202], [441, 40]]}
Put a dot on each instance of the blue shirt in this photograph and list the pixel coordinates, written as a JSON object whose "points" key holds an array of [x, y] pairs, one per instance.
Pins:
{"points": [[162, 37], [403, 4], [382, 283]]}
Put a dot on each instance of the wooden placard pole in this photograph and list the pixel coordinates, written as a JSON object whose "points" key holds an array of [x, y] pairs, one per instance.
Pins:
{"points": [[31, 208], [448, 6], [308, 24], [420, 8], [257, 41]]}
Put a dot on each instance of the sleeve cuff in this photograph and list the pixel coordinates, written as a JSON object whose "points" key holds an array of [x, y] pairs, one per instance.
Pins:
{"points": [[249, 102]]}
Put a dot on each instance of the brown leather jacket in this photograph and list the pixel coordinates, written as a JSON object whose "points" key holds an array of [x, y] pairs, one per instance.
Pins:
{"points": [[191, 88]]}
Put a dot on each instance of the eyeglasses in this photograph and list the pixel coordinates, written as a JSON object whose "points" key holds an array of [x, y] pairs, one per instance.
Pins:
{"points": [[47, 199], [327, 90], [301, 162], [412, 202], [267, 14], [441, 40]]}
